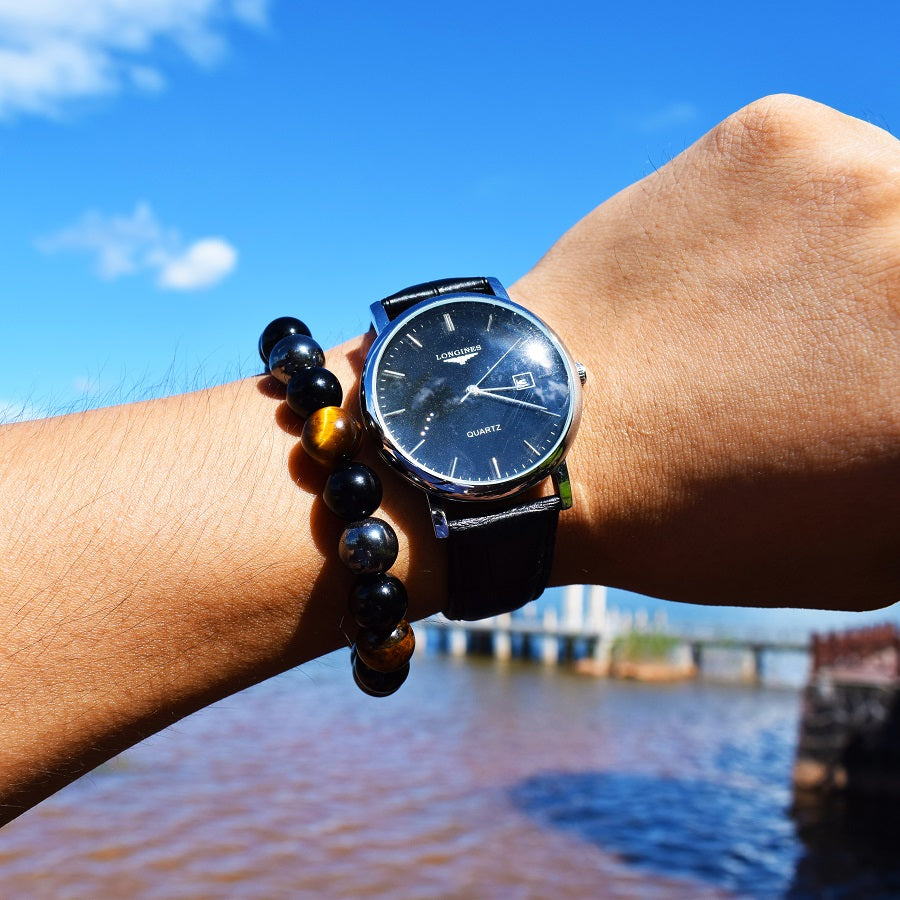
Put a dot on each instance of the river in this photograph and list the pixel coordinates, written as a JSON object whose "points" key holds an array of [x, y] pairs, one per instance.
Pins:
{"points": [[478, 779]]}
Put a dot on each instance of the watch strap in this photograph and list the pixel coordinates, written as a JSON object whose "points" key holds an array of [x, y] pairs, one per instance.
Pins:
{"points": [[501, 560], [403, 300]]}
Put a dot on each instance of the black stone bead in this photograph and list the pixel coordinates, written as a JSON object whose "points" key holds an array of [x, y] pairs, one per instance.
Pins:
{"points": [[311, 389], [378, 603], [352, 492], [293, 353], [275, 331], [377, 684], [368, 546]]}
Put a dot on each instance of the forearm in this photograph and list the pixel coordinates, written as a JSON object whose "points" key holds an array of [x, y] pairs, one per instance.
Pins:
{"points": [[157, 557]]}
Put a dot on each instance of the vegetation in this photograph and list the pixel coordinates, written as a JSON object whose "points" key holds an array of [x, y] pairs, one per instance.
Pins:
{"points": [[643, 646]]}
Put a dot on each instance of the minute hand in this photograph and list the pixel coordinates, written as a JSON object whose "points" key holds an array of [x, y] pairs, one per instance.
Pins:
{"points": [[500, 398], [472, 388], [494, 366]]}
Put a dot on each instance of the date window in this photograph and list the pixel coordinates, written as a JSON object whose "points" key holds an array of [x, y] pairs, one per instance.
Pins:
{"points": [[523, 381]]}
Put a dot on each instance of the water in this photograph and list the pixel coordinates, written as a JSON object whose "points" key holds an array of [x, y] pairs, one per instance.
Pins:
{"points": [[476, 780]]}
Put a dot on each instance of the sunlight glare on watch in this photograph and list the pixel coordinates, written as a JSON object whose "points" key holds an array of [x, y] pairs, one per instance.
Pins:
{"points": [[538, 352]]}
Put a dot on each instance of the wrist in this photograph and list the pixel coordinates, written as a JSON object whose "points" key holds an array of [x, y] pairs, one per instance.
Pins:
{"points": [[598, 463], [421, 562]]}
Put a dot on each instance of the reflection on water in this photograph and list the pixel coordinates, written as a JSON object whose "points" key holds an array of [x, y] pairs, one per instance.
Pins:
{"points": [[725, 834], [475, 780], [850, 845]]}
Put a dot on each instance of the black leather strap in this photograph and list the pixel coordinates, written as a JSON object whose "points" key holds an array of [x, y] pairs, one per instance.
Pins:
{"points": [[501, 560], [403, 300]]}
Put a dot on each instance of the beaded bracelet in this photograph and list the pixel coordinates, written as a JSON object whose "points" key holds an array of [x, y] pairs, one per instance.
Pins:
{"points": [[368, 546]]}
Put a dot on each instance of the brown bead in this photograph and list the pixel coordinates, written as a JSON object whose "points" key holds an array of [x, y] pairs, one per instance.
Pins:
{"points": [[385, 654], [331, 436]]}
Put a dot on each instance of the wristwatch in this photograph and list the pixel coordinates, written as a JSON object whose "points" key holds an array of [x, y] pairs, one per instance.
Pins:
{"points": [[475, 400]]}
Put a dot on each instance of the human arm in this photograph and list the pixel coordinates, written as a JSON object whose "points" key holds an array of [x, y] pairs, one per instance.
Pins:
{"points": [[737, 311], [157, 557]]}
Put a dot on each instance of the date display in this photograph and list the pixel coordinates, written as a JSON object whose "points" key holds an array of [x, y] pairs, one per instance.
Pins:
{"points": [[523, 381]]}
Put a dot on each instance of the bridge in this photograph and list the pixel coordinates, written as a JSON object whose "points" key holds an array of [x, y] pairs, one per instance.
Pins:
{"points": [[589, 631]]}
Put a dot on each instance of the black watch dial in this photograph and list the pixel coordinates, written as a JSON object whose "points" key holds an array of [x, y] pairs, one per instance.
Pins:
{"points": [[472, 392]]}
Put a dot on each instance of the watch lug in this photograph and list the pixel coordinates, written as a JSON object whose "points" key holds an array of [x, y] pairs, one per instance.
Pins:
{"points": [[379, 317], [497, 288], [438, 517], [563, 485]]}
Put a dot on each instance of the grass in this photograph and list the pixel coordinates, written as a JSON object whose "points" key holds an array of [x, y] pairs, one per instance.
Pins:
{"points": [[644, 646]]}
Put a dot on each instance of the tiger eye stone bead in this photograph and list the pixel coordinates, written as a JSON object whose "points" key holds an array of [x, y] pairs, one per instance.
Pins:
{"points": [[385, 654], [275, 331], [311, 389], [294, 353], [378, 602], [331, 436], [353, 492], [368, 546], [377, 684]]}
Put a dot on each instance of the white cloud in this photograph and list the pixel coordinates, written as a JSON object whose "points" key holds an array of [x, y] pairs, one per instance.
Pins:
{"points": [[671, 116], [201, 265], [13, 411], [135, 243], [147, 79], [123, 244], [55, 51], [86, 385]]}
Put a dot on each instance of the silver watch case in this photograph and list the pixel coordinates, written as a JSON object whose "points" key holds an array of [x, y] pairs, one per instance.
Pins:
{"points": [[552, 464]]}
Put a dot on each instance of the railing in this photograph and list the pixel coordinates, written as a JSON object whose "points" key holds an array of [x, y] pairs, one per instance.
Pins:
{"points": [[869, 652]]}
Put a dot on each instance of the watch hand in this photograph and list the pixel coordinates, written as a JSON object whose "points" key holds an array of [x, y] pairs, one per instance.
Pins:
{"points": [[497, 390], [494, 366], [480, 392], [471, 388]]}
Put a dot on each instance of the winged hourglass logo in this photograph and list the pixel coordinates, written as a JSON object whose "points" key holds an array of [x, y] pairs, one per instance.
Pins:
{"points": [[461, 355]]}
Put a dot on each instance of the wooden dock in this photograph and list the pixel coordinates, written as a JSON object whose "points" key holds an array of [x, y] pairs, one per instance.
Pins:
{"points": [[849, 740]]}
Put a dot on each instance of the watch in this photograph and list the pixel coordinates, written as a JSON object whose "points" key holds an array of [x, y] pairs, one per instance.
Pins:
{"points": [[476, 401]]}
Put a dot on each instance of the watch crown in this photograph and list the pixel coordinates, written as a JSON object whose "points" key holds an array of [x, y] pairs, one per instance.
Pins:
{"points": [[582, 372]]}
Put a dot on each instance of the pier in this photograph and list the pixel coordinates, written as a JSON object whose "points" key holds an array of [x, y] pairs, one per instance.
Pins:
{"points": [[849, 741], [586, 630]]}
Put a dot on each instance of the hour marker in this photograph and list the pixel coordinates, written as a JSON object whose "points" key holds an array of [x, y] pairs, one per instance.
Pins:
{"points": [[535, 452], [414, 341], [395, 412], [417, 446], [449, 322], [496, 467], [393, 374], [453, 467], [490, 322]]}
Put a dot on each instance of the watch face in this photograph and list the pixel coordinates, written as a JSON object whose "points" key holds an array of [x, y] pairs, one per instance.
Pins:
{"points": [[472, 396]]}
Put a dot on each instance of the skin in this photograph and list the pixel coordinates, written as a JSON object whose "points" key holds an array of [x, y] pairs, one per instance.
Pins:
{"points": [[739, 313]]}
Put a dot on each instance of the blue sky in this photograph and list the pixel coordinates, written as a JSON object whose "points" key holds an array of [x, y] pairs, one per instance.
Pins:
{"points": [[174, 173]]}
